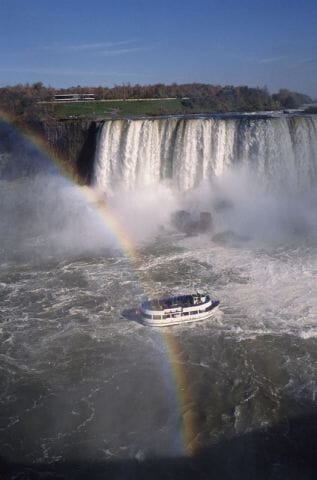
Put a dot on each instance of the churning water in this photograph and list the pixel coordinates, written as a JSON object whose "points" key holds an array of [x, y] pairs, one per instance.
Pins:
{"points": [[85, 392]]}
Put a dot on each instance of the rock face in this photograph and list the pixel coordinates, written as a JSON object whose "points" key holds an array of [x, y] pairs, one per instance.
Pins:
{"points": [[73, 142]]}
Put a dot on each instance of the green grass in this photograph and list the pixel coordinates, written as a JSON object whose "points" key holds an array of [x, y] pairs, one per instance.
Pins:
{"points": [[118, 108]]}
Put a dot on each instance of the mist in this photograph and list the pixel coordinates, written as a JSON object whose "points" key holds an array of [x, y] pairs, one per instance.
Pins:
{"points": [[44, 215], [239, 202]]}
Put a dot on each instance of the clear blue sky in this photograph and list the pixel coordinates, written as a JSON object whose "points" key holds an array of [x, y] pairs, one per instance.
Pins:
{"points": [[269, 43]]}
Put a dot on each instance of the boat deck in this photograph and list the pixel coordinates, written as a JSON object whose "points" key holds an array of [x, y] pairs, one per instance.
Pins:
{"points": [[173, 302]]}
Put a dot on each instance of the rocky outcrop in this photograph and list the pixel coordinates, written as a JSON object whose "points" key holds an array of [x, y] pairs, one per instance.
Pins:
{"points": [[190, 224]]}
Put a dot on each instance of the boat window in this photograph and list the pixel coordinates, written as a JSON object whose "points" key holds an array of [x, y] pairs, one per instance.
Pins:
{"points": [[157, 317], [146, 315]]}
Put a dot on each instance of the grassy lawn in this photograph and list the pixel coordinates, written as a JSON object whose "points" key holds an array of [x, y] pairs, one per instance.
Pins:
{"points": [[117, 108]]}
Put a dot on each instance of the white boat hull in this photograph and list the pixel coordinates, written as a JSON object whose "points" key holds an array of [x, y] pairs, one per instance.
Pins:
{"points": [[180, 319]]}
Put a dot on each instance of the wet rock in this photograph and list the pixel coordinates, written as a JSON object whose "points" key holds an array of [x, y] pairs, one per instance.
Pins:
{"points": [[180, 220], [188, 223]]}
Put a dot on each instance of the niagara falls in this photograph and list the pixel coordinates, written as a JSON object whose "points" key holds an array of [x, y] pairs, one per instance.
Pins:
{"points": [[158, 240]]}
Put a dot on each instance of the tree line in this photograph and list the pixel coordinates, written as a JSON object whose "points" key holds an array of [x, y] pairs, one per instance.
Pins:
{"points": [[28, 101]]}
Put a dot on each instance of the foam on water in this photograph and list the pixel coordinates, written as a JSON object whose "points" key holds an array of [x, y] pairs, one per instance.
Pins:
{"points": [[262, 291], [63, 335]]}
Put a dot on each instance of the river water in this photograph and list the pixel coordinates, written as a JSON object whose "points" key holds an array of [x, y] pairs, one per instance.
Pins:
{"points": [[86, 391]]}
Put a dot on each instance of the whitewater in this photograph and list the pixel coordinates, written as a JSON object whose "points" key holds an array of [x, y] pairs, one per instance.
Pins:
{"points": [[88, 391]]}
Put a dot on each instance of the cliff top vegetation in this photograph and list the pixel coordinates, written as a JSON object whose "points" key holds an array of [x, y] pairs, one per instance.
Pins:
{"points": [[31, 102]]}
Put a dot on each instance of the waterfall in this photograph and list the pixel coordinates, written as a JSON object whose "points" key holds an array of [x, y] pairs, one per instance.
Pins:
{"points": [[280, 151]]}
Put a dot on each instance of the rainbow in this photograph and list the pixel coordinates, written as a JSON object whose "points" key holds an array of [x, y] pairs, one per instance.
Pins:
{"points": [[176, 364]]}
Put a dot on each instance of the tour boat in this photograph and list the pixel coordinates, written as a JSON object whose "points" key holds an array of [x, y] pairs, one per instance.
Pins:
{"points": [[181, 309]]}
